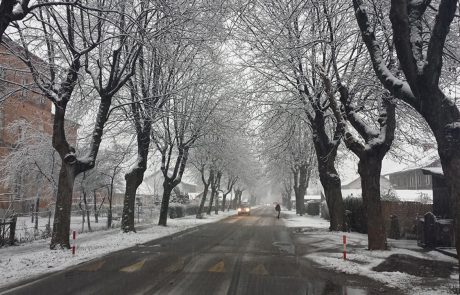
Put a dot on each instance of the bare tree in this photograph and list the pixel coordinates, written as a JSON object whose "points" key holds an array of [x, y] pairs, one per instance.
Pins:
{"points": [[69, 36], [420, 42], [286, 47]]}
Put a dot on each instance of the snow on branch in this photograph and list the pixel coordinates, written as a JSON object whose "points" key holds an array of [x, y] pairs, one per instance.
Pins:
{"points": [[397, 87]]}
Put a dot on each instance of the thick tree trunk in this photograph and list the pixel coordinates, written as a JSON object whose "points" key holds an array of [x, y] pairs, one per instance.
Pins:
{"points": [[326, 153], [211, 200], [369, 169], [203, 201], [61, 223], [167, 189], [224, 200], [330, 181], [449, 153], [133, 179], [301, 189]]}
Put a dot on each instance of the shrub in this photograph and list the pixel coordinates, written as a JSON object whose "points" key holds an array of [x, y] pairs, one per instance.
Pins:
{"points": [[356, 215], [313, 208]]}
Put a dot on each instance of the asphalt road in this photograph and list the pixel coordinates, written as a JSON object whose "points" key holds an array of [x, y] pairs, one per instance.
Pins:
{"points": [[239, 255]]}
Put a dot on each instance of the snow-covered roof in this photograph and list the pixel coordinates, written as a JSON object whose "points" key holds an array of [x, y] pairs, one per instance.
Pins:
{"points": [[430, 160], [404, 195], [308, 197]]}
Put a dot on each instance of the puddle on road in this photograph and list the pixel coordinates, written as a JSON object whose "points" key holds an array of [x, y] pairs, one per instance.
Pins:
{"points": [[326, 288], [353, 291]]}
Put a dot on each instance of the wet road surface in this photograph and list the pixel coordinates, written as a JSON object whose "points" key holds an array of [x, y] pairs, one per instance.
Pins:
{"points": [[252, 254]]}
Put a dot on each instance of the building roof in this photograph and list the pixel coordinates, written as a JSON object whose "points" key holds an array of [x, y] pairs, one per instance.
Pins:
{"points": [[356, 184], [432, 164], [433, 171]]}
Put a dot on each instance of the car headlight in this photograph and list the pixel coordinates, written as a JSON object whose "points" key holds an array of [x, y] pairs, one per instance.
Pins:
{"points": [[239, 209], [247, 209]]}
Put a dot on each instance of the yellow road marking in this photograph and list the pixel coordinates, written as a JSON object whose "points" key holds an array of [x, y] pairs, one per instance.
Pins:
{"points": [[260, 270], [178, 265], [219, 267], [134, 267], [93, 267]]}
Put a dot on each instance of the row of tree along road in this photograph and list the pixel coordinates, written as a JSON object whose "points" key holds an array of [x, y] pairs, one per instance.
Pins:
{"points": [[187, 76]]}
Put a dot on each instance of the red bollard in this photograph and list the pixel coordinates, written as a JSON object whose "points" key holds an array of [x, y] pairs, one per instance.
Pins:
{"points": [[74, 236], [344, 247]]}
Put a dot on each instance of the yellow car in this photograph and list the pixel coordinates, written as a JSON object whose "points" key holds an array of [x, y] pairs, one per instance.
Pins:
{"points": [[244, 209]]}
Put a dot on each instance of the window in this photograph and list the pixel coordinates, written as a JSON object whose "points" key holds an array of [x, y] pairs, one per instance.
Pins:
{"points": [[427, 179]]}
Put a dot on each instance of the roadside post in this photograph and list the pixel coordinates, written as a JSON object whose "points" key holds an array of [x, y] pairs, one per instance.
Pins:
{"points": [[344, 247]]}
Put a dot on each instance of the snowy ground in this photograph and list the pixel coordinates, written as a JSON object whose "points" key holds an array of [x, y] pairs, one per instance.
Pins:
{"points": [[35, 258], [327, 250]]}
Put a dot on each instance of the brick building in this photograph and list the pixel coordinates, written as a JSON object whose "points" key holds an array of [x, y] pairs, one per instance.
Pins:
{"points": [[20, 100]]}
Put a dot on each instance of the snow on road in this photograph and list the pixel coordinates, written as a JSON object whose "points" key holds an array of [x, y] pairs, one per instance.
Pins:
{"points": [[32, 259], [327, 251]]}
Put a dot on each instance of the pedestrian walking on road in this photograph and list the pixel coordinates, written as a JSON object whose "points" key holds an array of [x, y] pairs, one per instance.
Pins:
{"points": [[278, 209]]}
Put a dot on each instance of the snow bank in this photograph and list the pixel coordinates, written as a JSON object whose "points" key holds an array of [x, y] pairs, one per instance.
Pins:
{"points": [[328, 249], [33, 259]]}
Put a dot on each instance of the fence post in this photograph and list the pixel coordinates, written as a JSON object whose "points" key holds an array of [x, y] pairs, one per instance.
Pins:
{"points": [[344, 247]]}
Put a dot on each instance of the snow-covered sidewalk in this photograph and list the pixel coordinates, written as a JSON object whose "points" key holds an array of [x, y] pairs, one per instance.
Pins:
{"points": [[382, 266], [33, 259]]}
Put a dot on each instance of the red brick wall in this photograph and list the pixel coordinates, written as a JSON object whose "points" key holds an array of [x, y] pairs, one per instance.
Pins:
{"points": [[406, 212]]}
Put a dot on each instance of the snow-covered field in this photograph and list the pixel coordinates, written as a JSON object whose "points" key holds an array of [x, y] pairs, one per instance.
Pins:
{"points": [[328, 252], [35, 258]]}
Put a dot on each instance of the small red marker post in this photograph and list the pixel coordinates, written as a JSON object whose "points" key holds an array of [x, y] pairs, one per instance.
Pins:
{"points": [[74, 236], [344, 247]]}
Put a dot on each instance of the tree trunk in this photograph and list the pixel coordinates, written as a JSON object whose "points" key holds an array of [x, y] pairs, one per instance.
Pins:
{"points": [[167, 189], [85, 201], [133, 179], [36, 209], [224, 200], [216, 186], [211, 200], [109, 213], [330, 181], [301, 185], [203, 201], [369, 169], [333, 194], [96, 214], [83, 218], [449, 153], [61, 223], [326, 153], [205, 191]]}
